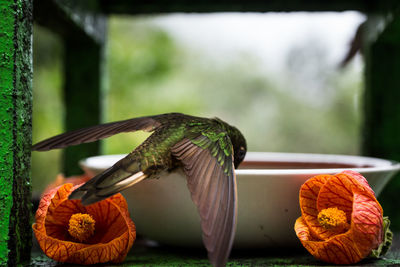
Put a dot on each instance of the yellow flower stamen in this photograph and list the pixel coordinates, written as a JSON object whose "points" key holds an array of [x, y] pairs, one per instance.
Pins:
{"points": [[81, 226], [333, 219]]}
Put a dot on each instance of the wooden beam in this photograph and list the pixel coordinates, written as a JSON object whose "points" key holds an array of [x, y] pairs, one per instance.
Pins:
{"points": [[15, 131], [72, 19], [168, 6]]}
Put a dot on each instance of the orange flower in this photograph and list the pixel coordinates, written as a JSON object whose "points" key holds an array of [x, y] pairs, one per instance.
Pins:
{"points": [[69, 232], [60, 180], [341, 222]]}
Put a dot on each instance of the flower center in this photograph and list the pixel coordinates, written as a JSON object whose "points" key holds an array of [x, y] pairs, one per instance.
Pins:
{"points": [[81, 226], [333, 219]]}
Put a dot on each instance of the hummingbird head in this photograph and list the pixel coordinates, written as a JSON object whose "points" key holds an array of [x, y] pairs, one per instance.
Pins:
{"points": [[238, 142], [239, 147]]}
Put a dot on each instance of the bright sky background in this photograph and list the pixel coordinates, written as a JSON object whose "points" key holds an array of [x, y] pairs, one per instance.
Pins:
{"points": [[268, 35]]}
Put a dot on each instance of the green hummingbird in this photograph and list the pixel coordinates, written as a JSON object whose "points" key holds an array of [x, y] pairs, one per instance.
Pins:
{"points": [[208, 150]]}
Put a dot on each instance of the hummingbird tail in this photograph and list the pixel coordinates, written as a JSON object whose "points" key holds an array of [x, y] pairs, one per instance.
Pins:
{"points": [[106, 184]]}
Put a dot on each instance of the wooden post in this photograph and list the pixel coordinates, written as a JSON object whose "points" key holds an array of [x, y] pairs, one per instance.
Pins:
{"points": [[15, 130], [83, 65], [381, 129], [82, 27]]}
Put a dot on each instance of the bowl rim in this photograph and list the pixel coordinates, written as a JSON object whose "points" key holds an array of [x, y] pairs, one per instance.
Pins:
{"points": [[378, 164]]}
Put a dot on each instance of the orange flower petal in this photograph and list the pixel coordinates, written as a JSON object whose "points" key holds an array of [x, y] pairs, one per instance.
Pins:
{"points": [[60, 180], [113, 237], [53, 196], [57, 249], [359, 178], [108, 215], [308, 203], [336, 192], [367, 222], [340, 249]]}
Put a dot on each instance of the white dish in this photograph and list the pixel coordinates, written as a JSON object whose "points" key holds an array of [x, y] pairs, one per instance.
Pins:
{"points": [[268, 195]]}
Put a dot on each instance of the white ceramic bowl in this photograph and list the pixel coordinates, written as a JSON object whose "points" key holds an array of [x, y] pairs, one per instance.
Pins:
{"points": [[268, 195]]}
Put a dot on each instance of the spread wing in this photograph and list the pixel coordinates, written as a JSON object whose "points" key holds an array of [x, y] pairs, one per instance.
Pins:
{"points": [[97, 132], [208, 164]]}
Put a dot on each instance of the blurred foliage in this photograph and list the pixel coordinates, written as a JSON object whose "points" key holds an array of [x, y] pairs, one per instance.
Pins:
{"points": [[309, 107]]}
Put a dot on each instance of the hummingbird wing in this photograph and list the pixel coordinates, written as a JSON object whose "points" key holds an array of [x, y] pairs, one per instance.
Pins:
{"points": [[97, 132], [208, 164]]}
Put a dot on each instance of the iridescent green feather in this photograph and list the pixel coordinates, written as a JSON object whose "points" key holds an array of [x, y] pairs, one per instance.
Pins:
{"points": [[217, 142]]}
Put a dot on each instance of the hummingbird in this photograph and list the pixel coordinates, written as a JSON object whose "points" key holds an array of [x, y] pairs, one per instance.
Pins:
{"points": [[208, 151]]}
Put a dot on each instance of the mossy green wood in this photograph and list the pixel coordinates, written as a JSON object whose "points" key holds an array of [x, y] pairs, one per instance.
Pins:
{"points": [[15, 130], [381, 129]]}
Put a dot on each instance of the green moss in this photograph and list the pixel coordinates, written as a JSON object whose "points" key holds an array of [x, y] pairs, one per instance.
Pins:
{"points": [[165, 256], [6, 87], [15, 130]]}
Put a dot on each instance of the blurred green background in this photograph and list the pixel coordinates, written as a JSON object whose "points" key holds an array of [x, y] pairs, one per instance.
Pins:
{"points": [[309, 106]]}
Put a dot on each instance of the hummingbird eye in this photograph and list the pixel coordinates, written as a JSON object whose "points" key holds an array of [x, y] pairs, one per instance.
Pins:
{"points": [[241, 153]]}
